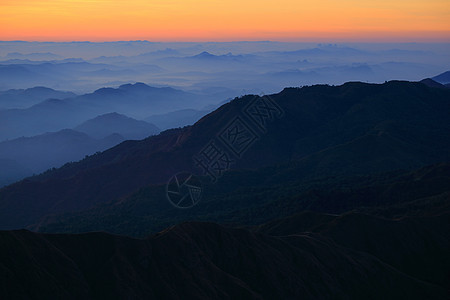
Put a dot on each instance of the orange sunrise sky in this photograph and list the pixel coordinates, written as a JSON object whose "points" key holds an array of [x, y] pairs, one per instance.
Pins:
{"points": [[225, 20]]}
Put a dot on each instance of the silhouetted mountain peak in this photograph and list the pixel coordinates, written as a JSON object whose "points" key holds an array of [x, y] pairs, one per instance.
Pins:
{"points": [[50, 102], [137, 85], [204, 54], [431, 83], [114, 136], [110, 116], [130, 88], [442, 78], [107, 91], [40, 89], [104, 125], [228, 56], [24, 98], [33, 56], [66, 133]]}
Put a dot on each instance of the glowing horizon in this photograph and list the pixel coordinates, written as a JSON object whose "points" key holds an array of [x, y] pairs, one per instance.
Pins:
{"points": [[219, 20]]}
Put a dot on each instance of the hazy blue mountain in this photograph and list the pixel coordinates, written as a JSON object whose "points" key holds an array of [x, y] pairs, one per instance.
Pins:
{"points": [[140, 100], [68, 75], [163, 52], [107, 124], [205, 55], [33, 56], [213, 64], [322, 50], [48, 116], [443, 78], [12, 171], [28, 97], [142, 58], [13, 73], [243, 67], [23, 157], [39, 62]]}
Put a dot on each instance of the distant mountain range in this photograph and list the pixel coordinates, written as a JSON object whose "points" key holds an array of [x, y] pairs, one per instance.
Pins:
{"points": [[33, 56], [29, 97], [140, 100], [242, 67], [135, 100], [104, 125], [26, 116]]}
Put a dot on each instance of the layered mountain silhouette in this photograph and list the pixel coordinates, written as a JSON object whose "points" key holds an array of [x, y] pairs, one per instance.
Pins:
{"points": [[431, 83], [141, 100], [345, 130], [443, 78], [205, 55], [25, 156], [243, 67], [24, 98], [33, 56], [341, 192], [129, 128], [36, 154], [134, 100]]}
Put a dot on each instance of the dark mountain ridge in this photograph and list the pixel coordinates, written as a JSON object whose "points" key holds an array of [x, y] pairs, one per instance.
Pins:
{"points": [[432, 83], [197, 261]]}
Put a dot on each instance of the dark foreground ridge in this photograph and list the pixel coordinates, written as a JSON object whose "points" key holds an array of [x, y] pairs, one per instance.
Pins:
{"points": [[198, 261]]}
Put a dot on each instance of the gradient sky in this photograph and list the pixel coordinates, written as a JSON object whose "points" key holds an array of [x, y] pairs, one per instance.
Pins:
{"points": [[225, 20]]}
